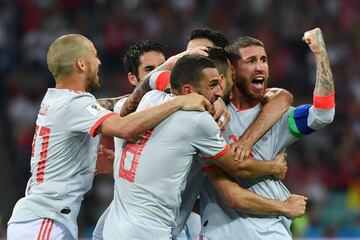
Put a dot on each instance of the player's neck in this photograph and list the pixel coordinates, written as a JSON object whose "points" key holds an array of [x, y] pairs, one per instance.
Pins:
{"points": [[71, 83], [242, 102]]}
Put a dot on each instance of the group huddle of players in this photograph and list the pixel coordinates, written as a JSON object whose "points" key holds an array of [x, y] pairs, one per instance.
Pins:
{"points": [[203, 127]]}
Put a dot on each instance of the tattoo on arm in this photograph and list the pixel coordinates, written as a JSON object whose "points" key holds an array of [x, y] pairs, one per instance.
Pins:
{"points": [[324, 79], [109, 103]]}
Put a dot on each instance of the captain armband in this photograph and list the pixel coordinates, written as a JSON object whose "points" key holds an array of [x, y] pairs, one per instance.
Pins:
{"points": [[297, 121]]}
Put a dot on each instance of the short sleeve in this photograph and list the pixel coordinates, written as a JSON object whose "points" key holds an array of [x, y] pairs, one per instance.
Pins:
{"points": [[207, 138], [159, 80], [84, 114]]}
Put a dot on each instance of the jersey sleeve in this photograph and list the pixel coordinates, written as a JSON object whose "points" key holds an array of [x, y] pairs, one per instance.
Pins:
{"points": [[207, 138], [159, 80], [303, 120], [84, 114], [151, 99]]}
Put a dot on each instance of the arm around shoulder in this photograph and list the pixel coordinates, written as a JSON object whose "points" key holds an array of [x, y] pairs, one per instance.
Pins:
{"points": [[249, 202]]}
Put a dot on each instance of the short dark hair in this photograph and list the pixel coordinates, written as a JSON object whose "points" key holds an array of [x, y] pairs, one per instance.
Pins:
{"points": [[132, 56], [221, 58], [187, 70], [241, 42], [216, 37]]}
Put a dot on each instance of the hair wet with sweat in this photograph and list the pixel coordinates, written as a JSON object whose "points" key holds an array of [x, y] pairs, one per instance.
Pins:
{"points": [[64, 52], [187, 70], [239, 43]]}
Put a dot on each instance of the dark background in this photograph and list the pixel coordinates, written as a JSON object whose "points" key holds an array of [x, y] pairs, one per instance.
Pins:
{"points": [[325, 166]]}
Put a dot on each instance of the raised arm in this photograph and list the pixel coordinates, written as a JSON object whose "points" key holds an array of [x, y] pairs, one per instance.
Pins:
{"points": [[247, 201], [324, 85], [305, 119], [277, 102]]}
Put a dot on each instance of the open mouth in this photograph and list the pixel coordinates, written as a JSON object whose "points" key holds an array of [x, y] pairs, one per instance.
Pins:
{"points": [[258, 82]]}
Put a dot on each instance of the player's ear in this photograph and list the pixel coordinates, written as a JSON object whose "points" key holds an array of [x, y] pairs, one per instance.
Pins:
{"points": [[132, 79], [186, 89], [222, 81], [80, 64]]}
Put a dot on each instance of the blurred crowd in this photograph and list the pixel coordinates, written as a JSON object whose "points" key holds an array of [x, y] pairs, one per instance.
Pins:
{"points": [[325, 166]]}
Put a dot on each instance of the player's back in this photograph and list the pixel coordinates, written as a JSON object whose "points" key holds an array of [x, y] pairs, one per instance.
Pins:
{"points": [[63, 159], [151, 174]]}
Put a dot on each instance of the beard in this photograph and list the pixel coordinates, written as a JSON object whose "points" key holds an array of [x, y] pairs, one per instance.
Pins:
{"points": [[92, 81], [243, 85]]}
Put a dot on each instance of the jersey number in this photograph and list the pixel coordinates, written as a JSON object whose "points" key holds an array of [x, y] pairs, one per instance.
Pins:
{"points": [[43, 132], [130, 158]]}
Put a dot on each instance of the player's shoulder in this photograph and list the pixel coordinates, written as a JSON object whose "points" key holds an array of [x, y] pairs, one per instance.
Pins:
{"points": [[153, 98], [156, 95], [196, 118], [68, 94], [80, 98]]}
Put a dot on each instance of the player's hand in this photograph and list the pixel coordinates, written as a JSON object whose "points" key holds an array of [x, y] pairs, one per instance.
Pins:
{"points": [[280, 165], [194, 102], [104, 161], [222, 114], [295, 206], [314, 39], [240, 149], [200, 50]]}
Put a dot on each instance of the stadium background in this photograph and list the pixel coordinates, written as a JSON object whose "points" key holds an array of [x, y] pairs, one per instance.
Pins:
{"points": [[325, 167]]}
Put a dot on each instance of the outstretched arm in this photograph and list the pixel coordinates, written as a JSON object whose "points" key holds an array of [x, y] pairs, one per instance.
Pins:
{"points": [[140, 122], [249, 202], [277, 102]]}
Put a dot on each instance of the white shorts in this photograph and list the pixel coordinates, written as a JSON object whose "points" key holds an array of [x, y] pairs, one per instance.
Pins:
{"points": [[39, 229]]}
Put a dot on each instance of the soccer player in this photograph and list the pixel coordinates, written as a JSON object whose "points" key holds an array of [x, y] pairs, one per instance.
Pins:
{"points": [[65, 141], [249, 59], [142, 58], [151, 172], [139, 60], [233, 195]]}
